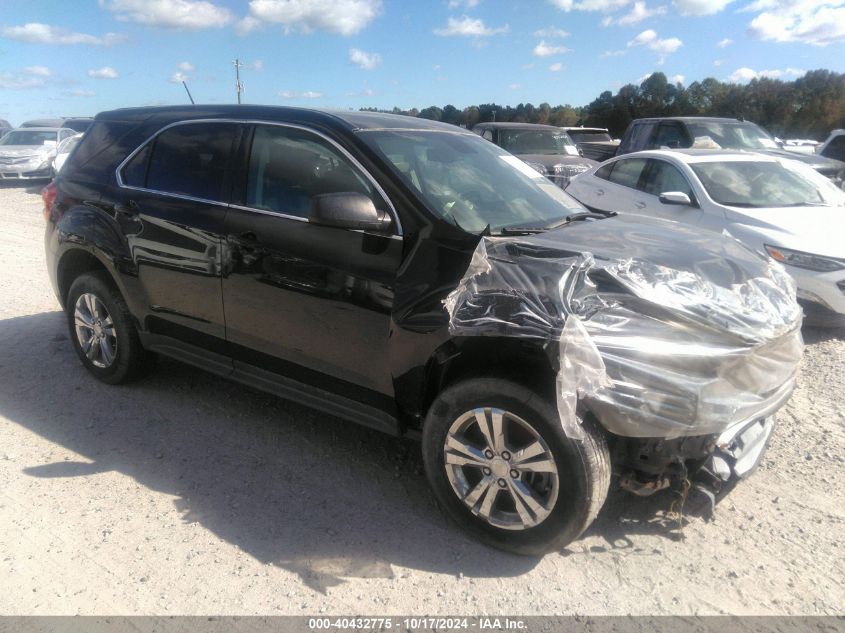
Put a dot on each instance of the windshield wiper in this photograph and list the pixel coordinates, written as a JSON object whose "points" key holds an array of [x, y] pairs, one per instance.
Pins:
{"points": [[575, 217]]}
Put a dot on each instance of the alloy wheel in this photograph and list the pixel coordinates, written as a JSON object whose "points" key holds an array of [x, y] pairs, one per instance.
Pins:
{"points": [[95, 330], [501, 468]]}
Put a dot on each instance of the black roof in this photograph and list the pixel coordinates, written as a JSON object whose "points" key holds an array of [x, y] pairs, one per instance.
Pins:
{"points": [[349, 119], [714, 119], [512, 125]]}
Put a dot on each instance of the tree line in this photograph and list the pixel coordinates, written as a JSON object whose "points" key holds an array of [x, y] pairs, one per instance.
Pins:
{"points": [[807, 107]]}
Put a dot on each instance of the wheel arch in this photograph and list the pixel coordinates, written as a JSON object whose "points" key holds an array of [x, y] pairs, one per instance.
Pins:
{"points": [[76, 261], [526, 362]]}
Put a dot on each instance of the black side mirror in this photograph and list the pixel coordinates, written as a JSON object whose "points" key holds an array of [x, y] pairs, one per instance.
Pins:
{"points": [[347, 210]]}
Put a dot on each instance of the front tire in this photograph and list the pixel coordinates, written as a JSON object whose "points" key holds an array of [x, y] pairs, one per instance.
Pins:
{"points": [[102, 330], [501, 466]]}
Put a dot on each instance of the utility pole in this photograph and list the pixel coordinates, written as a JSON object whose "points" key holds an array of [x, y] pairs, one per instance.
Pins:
{"points": [[239, 87]]}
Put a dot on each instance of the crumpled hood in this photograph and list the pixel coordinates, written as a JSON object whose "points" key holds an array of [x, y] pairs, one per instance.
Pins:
{"points": [[663, 330]]}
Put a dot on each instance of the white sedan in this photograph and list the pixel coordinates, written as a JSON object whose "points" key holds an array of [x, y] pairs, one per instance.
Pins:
{"points": [[63, 151], [777, 207]]}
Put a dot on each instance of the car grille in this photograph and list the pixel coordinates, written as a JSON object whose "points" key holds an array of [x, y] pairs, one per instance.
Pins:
{"points": [[8, 160]]}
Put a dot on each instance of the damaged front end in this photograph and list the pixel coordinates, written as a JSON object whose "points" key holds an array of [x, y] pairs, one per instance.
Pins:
{"points": [[682, 344]]}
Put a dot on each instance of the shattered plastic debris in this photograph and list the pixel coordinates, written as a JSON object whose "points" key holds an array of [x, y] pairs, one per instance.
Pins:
{"points": [[668, 334]]}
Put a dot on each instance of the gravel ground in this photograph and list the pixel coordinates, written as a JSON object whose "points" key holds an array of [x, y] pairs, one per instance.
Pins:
{"points": [[186, 494]]}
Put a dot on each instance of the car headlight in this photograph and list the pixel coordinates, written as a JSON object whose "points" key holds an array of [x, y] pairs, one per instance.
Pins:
{"points": [[570, 171], [537, 167], [804, 260]]}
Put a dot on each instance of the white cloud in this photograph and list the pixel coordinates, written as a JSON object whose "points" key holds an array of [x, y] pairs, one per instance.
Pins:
{"points": [[308, 94], [817, 22], [257, 65], [547, 50], [741, 75], [605, 6], [247, 25], [724, 43], [718, 62], [19, 81], [177, 78], [662, 47], [79, 92], [41, 71], [467, 4], [607, 54], [186, 66], [106, 72], [677, 79], [346, 17], [171, 14], [515, 86], [637, 14], [468, 27], [551, 32], [700, 7], [38, 33], [362, 59], [556, 67]]}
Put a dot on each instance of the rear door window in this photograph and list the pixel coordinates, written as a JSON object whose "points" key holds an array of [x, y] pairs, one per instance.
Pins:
{"points": [[663, 177], [627, 172], [192, 159]]}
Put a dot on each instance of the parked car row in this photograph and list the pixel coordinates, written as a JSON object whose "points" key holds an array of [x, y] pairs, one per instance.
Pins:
{"points": [[533, 345], [718, 134], [778, 207], [547, 149], [734, 178], [38, 148]]}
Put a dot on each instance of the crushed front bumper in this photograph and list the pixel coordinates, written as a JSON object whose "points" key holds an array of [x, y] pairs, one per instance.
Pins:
{"points": [[738, 451], [713, 463]]}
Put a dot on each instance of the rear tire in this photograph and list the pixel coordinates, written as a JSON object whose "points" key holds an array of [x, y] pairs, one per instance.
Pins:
{"points": [[102, 330], [566, 500]]}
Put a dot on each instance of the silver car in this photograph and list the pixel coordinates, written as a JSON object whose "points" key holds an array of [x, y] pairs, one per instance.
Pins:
{"points": [[28, 153]]}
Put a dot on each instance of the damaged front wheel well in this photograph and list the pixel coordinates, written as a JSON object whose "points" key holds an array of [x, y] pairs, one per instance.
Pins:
{"points": [[521, 361]]}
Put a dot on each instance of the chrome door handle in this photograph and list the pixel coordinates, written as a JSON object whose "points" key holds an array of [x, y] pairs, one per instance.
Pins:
{"points": [[599, 192], [640, 205]]}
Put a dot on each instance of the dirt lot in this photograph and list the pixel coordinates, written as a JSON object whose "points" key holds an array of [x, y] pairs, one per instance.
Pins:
{"points": [[185, 494]]}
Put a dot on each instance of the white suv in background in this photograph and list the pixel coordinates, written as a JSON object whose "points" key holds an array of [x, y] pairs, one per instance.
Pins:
{"points": [[778, 207]]}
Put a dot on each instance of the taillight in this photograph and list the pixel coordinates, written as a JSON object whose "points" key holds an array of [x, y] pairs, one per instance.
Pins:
{"points": [[48, 195]]}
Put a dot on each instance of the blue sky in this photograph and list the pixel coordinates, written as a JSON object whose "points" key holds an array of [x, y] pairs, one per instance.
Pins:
{"points": [[77, 58]]}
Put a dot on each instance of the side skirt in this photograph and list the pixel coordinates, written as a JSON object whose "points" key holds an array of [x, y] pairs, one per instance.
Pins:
{"points": [[273, 383]]}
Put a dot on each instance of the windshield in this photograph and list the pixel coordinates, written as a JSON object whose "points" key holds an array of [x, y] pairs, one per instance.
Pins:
{"points": [[589, 136], [470, 182], [534, 141], [758, 184], [27, 137], [729, 135]]}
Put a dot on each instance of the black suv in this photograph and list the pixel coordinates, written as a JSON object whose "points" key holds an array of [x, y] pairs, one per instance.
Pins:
{"points": [[326, 257]]}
